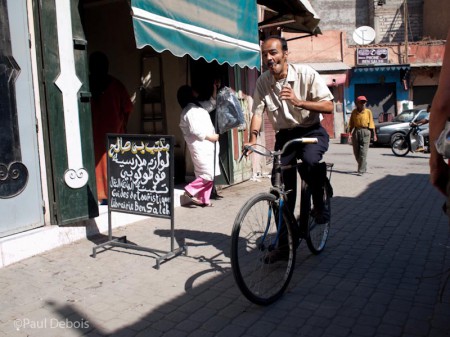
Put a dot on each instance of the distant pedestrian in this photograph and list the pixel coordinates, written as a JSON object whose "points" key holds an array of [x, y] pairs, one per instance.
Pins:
{"points": [[200, 137], [209, 104], [111, 108], [361, 127], [439, 116]]}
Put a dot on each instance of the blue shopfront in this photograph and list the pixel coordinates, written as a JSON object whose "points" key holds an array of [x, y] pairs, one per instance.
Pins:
{"points": [[386, 88]]}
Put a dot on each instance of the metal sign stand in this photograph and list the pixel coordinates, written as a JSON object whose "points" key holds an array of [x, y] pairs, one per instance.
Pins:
{"points": [[121, 147], [122, 242]]}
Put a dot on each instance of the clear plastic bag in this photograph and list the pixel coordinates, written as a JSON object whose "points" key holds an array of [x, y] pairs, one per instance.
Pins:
{"points": [[228, 111]]}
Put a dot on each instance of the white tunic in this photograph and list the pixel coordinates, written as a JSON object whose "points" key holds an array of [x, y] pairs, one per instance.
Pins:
{"points": [[195, 123]]}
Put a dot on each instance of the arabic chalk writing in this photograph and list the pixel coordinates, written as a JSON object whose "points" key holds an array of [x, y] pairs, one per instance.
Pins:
{"points": [[139, 174]]}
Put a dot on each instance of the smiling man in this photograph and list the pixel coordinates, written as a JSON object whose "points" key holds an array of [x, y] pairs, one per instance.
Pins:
{"points": [[294, 97]]}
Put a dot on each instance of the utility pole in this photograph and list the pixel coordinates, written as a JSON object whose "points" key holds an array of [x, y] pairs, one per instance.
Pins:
{"points": [[405, 23]]}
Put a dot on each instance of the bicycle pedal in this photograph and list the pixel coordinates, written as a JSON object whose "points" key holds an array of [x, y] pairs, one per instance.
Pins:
{"points": [[276, 255]]}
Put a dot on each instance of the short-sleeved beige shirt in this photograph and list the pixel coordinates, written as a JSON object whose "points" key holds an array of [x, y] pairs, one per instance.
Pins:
{"points": [[308, 86]]}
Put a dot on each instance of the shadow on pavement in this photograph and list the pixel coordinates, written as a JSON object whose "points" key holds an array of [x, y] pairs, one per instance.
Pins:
{"points": [[382, 273]]}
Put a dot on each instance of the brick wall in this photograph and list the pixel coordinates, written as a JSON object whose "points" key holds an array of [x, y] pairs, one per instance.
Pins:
{"points": [[389, 21]]}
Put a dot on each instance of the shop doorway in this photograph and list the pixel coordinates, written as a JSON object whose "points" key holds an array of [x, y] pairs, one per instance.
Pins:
{"points": [[203, 75], [423, 95], [381, 97]]}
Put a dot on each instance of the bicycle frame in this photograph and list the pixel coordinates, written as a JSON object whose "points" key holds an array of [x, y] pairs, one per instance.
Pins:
{"points": [[264, 241], [273, 244], [278, 186]]}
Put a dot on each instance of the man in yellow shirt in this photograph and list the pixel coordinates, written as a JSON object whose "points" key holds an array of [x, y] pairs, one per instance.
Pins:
{"points": [[361, 126]]}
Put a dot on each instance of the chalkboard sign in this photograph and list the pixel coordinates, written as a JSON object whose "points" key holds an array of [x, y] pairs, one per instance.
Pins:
{"points": [[140, 174]]}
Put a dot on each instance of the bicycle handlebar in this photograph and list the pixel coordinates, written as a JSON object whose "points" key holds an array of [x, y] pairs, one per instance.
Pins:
{"points": [[304, 140]]}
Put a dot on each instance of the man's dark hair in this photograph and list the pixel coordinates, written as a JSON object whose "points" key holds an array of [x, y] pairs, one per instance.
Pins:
{"points": [[185, 96], [98, 63], [282, 40]]}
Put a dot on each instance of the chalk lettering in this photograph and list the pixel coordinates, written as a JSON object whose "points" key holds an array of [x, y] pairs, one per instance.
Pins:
{"points": [[139, 174], [123, 205]]}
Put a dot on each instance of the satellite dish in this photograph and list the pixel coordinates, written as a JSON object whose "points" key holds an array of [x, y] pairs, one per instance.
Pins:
{"points": [[364, 35]]}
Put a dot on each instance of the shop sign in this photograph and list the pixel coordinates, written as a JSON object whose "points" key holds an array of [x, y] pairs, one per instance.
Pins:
{"points": [[366, 56]]}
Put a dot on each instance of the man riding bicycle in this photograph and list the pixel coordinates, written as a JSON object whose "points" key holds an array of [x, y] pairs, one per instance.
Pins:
{"points": [[294, 96]]}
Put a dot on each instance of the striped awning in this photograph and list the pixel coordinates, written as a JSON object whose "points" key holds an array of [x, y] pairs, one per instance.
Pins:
{"points": [[329, 66], [224, 31], [393, 67]]}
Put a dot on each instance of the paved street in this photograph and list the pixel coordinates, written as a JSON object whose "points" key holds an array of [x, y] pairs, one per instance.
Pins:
{"points": [[385, 271]]}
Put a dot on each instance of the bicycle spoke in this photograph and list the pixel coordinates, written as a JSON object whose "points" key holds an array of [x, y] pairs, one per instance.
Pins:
{"points": [[317, 233], [262, 253], [261, 265]]}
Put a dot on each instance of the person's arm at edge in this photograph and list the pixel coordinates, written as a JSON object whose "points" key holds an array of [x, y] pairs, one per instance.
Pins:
{"points": [[438, 116]]}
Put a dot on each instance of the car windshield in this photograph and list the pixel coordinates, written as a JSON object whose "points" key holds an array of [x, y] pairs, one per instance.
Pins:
{"points": [[422, 115], [405, 116]]}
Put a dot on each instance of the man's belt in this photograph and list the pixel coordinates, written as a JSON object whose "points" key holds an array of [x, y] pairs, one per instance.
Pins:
{"points": [[313, 126]]}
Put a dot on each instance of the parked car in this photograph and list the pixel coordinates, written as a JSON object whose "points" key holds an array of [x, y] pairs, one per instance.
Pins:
{"points": [[386, 131]]}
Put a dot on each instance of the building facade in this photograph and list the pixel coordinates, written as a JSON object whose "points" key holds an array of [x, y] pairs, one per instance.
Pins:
{"points": [[46, 157], [47, 169], [46, 154], [393, 50]]}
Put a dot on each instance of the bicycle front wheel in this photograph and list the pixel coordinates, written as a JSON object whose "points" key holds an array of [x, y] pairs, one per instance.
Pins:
{"points": [[317, 230], [262, 256]]}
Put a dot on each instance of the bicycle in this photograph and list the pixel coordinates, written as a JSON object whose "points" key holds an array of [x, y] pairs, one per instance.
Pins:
{"points": [[266, 234]]}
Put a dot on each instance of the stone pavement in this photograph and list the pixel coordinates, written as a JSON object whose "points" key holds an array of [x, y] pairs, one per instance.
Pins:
{"points": [[385, 270]]}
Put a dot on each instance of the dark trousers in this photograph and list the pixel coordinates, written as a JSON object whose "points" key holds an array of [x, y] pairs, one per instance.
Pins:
{"points": [[310, 154]]}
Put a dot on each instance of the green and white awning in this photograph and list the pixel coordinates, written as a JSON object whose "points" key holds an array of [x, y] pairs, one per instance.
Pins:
{"points": [[295, 16], [224, 31]]}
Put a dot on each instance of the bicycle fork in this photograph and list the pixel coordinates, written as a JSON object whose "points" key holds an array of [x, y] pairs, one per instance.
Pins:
{"points": [[273, 245], [274, 242]]}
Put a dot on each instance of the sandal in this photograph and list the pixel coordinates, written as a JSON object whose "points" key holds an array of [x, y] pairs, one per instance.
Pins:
{"points": [[208, 205], [194, 200]]}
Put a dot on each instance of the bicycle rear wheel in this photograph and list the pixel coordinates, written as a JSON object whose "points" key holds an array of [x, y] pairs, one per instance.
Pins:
{"points": [[316, 232], [262, 259]]}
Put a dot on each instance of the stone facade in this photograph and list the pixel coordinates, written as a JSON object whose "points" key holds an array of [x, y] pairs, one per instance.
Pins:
{"points": [[428, 19], [391, 20]]}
